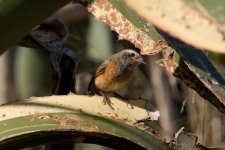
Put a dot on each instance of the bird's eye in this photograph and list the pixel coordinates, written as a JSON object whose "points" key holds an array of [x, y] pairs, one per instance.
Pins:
{"points": [[132, 54]]}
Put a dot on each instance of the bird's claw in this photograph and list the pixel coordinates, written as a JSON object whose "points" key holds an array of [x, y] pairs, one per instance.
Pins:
{"points": [[107, 101]]}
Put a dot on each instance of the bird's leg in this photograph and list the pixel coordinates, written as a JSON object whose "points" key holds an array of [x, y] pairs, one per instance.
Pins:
{"points": [[106, 100]]}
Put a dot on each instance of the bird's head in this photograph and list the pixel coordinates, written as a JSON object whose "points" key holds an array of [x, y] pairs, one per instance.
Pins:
{"points": [[131, 57]]}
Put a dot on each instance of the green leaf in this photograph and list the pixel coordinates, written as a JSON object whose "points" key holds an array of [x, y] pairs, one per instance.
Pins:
{"points": [[73, 115], [44, 128], [16, 22]]}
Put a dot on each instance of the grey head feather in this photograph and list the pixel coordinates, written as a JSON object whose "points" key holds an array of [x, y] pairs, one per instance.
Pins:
{"points": [[127, 63]]}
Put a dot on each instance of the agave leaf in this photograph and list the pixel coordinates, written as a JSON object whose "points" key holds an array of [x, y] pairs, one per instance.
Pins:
{"points": [[215, 9], [70, 103], [186, 140], [128, 25], [195, 70], [182, 21], [76, 119]]}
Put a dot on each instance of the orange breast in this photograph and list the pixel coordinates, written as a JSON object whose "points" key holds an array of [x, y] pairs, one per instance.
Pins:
{"points": [[111, 79]]}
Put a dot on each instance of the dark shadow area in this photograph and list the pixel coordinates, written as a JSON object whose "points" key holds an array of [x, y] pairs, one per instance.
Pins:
{"points": [[67, 136]]}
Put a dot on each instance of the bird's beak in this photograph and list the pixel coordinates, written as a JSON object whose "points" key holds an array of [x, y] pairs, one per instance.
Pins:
{"points": [[141, 61]]}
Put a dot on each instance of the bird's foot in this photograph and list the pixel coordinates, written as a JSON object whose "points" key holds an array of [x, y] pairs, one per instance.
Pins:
{"points": [[106, 100]]}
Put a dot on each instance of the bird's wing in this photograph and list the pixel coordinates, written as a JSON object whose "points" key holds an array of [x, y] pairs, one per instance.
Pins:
{"points": [[100, 70]]}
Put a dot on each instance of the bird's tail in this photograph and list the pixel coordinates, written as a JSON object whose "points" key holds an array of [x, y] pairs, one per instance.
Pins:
{"points": [[92, 90]]}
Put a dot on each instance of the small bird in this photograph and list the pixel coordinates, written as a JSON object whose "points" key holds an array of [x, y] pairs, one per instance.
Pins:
{"points": [[114, 73]]}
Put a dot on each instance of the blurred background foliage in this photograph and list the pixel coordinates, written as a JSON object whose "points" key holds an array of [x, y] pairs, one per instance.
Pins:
{"points": [[26, 72]]}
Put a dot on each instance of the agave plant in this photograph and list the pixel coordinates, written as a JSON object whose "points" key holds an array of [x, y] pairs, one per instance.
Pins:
{"points": [[180, 28]]}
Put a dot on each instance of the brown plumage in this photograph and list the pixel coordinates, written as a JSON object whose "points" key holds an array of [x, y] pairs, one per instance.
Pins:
{"points": [[114, 73]]}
